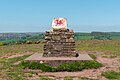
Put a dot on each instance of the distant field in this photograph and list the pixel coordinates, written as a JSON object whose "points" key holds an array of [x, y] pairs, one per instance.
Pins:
{"points": [[12, 38]]}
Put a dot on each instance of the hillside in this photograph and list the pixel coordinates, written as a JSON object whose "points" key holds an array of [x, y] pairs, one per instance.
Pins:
{"points": [[20, 37]]}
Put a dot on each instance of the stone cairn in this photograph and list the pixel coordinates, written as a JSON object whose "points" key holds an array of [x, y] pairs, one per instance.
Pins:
{"points": [[59, 43], [59, 47]]}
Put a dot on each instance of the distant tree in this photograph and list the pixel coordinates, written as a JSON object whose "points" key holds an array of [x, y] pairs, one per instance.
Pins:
{"points": [[3, 43], [37, 42], [18, 43], [28, 42]]}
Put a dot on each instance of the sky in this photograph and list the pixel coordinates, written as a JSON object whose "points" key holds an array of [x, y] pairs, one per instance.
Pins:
{"points": [[37, 15]]}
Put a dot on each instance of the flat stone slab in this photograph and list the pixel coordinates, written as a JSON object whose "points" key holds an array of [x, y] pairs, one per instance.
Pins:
{"points": [[39, 57]]}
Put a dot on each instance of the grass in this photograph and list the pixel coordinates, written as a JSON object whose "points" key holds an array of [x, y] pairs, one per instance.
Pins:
{"points": [[79, 66], [36, 65], [85, 78], [45, 78], [9, 50], [68, 78], [93, 56], [111, 75], [109, 47], [9, 71], [84, 37], [70, 67]]}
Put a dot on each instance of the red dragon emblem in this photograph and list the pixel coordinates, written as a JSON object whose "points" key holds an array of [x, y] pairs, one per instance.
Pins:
{"points": [[59, 22]]}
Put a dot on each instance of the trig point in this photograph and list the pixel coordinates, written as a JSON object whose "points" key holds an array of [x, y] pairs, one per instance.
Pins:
{"points": [[59, 46], [59, 41]]}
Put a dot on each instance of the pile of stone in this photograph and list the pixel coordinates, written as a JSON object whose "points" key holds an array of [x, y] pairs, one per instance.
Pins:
{"points": [[59, 42]]}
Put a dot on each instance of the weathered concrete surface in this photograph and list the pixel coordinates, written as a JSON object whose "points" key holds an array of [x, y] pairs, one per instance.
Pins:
{"points": [[39, 57]]}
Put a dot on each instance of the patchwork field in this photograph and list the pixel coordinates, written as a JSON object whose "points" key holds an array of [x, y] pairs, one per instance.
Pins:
{"points": [[106, 52]]}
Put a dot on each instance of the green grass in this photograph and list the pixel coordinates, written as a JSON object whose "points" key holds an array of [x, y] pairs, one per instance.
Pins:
{"points": [[93, 56], [79, 66], [36, 65], [11, 71], [68, 78], [9, 50], [109, 47], [115, 37], [45, 78], [84, 37], [70, 67], [111, 75], [85, 78]]}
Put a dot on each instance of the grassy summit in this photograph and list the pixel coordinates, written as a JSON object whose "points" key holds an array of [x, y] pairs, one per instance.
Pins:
{"points": [[9, 70]]}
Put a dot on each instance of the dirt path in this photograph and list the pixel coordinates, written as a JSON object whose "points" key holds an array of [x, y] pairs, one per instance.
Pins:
{"points": [[109, 64]]}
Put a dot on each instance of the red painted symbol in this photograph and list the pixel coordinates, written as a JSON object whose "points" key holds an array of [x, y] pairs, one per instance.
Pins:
{"points": [[59, 22]]}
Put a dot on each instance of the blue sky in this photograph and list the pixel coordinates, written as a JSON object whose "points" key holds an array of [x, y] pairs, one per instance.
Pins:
{"points": [[37, 15]]}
